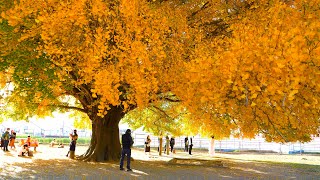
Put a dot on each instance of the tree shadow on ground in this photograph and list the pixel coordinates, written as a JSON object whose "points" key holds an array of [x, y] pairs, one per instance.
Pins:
{"points": [[73, 169]]}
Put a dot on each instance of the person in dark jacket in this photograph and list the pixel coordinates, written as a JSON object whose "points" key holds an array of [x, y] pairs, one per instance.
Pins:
{"points": [[190, 146], [6, 138], [172, 143], [186, 144], [127, 142], [73, 141]]}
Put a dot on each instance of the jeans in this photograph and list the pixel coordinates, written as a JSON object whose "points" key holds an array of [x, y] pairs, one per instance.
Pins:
{"points": [[5, 146], [123, 153]]}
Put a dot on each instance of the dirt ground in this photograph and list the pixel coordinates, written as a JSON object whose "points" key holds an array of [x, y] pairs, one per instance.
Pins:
{"points": [[51, 163]]}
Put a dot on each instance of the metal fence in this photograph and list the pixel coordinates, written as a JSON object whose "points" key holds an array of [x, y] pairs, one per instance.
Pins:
{"points": [[230, 145]]}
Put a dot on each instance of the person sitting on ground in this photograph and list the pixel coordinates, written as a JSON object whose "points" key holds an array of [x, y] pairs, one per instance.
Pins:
{"points": [[53, 142], [61, 145], [24, 150]]}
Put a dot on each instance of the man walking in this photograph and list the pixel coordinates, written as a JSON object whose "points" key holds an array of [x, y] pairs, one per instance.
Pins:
{"points": [[127, 142]]}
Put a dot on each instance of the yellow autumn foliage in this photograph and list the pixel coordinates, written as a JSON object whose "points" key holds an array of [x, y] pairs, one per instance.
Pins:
{"points": [[239, 67]]}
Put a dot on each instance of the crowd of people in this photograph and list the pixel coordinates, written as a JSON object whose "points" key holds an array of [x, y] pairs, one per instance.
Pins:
{"points": [[188, 145], [8, 139], [127, 142]]}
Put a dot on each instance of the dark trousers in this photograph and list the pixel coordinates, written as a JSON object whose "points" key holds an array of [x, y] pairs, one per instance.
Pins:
{"points": [[186, 148], [5, 145], [125, 152], [72, 146], [190, 149], [171, 148]]}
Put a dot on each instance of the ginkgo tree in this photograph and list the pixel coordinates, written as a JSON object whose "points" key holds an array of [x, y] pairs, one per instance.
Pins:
{"points": [[237, 66]]}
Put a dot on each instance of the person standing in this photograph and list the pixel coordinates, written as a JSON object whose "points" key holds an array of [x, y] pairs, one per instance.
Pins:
{"points": [[186, 144], [147, 145], [28, 141], [172, 143], [212, 148], [166, 146], [190, 146], [73, 137], [12, 139], [127, 142], [6, 137]]}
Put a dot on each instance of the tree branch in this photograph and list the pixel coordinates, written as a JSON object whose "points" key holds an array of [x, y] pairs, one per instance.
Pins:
{"points": [[274, 127], [170, 98], [205, 5], [70, 107], [162, 112]]}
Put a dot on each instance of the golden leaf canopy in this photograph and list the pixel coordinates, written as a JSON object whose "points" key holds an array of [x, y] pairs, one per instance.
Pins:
{"points": [[244, 67]]}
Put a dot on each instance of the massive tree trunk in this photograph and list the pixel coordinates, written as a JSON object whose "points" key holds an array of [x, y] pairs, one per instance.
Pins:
{"points": [[105, 142]]}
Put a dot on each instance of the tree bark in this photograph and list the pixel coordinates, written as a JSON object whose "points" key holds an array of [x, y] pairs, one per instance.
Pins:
{"points": [[105, 141], [160, 145]]}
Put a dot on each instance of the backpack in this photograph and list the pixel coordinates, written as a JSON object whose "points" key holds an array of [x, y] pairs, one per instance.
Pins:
{"points": [[5, 136]]}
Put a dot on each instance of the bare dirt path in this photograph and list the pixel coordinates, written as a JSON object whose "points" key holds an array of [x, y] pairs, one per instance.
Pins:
{"points": [[51, 163]]}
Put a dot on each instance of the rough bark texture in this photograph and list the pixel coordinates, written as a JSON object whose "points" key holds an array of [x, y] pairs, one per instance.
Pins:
{"points": [[105, 142]]}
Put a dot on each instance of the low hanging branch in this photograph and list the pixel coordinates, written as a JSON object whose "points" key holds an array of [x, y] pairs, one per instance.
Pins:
{"points": [[71, 108], [274, 127]]}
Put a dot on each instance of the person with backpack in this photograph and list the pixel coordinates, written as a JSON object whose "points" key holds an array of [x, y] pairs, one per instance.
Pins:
{"points": [[6, 138], [127, 142]]}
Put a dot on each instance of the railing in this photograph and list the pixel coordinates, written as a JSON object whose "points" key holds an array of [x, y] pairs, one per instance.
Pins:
{"points": [[226, 145]]}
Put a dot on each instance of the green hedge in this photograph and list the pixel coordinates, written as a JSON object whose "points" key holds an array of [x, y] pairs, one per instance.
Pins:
{"points": [[42, 140]]}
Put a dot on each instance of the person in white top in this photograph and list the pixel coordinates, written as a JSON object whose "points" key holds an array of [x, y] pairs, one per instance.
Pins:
{"points": [[53, 142], [24, 150], [211, 147]]}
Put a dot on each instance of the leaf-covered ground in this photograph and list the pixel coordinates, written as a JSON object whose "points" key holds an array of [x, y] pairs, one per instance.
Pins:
{"points": [[51, 163]]}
